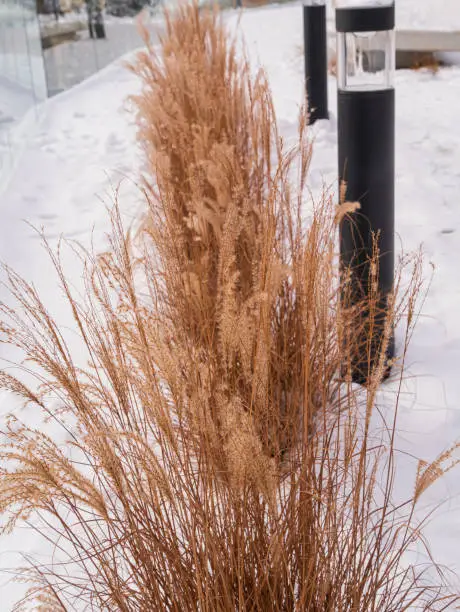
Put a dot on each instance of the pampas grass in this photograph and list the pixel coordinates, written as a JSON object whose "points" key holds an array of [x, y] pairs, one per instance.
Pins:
{"points": [[217, 456]]}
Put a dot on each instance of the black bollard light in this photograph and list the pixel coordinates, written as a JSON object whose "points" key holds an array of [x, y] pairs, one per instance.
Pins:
{"points": [[315, 52], [96, 25], [99, 27], [366, 135]]}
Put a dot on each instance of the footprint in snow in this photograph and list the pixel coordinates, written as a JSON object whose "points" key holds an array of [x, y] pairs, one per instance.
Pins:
{"points": [[64, 235], [47, 216], [48, 148], [113, 143]]}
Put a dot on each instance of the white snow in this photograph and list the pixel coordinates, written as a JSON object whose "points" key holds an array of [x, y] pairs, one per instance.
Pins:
{"points": [[86, 143], [84, 146], [428, 14]]}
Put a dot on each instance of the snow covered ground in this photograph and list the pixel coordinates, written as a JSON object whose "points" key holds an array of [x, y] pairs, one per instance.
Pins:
{"points": [[84, 147], [86, 144], [428, 14]]}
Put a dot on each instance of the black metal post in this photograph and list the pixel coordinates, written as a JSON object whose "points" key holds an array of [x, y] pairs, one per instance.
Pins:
{"points": [[315, 51], [56, 9], [96, 25], [99, 26], [366, 138]]}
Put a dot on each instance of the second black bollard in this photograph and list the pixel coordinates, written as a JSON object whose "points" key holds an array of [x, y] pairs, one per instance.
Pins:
{"points": [[315, 52]]}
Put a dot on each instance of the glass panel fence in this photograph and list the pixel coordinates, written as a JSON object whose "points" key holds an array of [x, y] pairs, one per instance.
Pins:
{"points": [[22, 76]]}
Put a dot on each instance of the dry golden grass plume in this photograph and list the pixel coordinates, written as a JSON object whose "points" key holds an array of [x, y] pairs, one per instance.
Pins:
{"points": [[223, 220], [215, 457]]}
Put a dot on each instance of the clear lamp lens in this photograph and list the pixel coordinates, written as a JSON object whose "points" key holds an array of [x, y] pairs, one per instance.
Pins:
{"points": [[365, 60]]}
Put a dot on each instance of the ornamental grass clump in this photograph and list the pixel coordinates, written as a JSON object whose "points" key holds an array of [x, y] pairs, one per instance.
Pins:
{"points": [[216, 455]]}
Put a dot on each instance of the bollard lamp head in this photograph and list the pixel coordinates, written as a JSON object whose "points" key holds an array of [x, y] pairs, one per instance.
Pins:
{"points": [[365, 45]]}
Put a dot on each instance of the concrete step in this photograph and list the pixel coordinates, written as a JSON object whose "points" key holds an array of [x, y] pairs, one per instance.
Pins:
{"points": [[413, 47], [429, 41], [56, 33], [418, 40]]}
